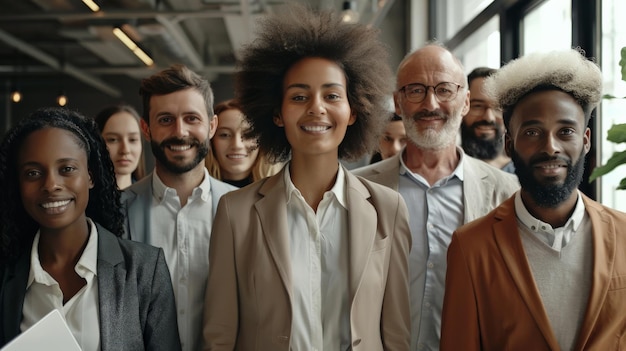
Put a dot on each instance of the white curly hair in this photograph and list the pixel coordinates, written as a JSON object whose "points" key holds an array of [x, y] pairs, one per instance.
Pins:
{"points": [[566, 70]]}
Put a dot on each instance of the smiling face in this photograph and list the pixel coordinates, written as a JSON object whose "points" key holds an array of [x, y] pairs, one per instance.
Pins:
{"points": [[179, 130], [54, 179], [431, 123], [234, 154], [123, 138], [315, 111], [548, 140], [482, 130]]}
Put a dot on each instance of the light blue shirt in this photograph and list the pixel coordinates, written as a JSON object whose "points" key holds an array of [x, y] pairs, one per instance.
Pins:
{"points": [[435, 212]]}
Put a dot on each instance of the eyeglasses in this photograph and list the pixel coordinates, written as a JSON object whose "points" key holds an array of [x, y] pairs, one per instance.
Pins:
{"points": [[481, 109], [416, 92]]}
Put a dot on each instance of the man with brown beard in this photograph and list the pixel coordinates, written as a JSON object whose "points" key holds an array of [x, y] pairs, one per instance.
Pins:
{"points": [[544, 270], [482, 129], [173, 207]]}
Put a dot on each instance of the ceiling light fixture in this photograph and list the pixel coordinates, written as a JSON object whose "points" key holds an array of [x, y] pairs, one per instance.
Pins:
{"points": [[16, 96], [133, 46], [349, 14], [92, 5], [62, 99]]}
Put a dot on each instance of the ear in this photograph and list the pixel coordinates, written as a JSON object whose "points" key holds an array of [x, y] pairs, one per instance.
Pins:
{"points": [[352, 118], [508, 144], [466, 104], [212, 126], [145, 129], [587, 140], [278, 120], [90, 181]]}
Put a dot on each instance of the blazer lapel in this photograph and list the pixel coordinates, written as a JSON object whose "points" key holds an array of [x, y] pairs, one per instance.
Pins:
{"points": [[604, 241], [508, 239], [110, 288], [139, 203], [477, 191], [362, 224], [274, 224]]}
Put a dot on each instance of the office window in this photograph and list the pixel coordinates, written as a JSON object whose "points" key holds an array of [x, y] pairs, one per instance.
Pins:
{"points": [[547, 27], [454, 14], [482, 48], [612, 111]]}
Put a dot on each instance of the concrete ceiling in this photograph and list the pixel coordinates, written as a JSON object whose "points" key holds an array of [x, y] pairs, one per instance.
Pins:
{"points": [[64, 38]]}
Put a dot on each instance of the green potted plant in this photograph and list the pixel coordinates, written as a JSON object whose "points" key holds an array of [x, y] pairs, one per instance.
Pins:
{"points": [[616, 134]]}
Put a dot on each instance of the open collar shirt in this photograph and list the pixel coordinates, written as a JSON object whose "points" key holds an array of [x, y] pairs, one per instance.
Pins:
{"points": [[43, 295], [319, 258], [435, 212], [184, 234]]}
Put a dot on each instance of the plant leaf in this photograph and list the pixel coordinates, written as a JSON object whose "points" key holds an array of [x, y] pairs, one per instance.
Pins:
{"points": [[617, 159], [622, 185], [617, 133]]}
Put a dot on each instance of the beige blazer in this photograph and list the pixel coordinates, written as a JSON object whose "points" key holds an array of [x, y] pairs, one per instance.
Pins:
{"points": [[492, 302], [248, 298]]}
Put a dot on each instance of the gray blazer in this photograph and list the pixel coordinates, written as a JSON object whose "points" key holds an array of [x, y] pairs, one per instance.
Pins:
{"points": [[137, 200], [484, 186], [137, 309]]}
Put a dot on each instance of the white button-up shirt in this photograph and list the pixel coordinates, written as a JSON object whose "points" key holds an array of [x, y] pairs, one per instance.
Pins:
{"points": [[81, 312], [319, 266], [184, 234]]}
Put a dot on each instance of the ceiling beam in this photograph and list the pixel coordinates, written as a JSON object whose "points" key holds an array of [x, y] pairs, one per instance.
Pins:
{"points": [[113, 15], [58, 65]]}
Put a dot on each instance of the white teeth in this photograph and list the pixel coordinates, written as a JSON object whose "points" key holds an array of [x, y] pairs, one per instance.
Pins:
{"points": [[180, 147], [315, 128], [55, 204], [551, 166], [236, 156]]}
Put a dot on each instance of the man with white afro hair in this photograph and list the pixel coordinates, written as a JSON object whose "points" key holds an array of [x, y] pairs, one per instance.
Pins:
{"points": [[566, 70], [545, 269]]}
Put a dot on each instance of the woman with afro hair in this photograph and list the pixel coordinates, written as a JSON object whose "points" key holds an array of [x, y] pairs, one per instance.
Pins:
{"points": [[312, 258], [60, 245]]}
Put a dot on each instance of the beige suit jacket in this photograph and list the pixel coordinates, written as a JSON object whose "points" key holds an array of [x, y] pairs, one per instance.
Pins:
{"points": [[248, 305], [492, 302]]}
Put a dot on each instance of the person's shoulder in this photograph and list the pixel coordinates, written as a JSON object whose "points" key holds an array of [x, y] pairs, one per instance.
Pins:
{"points": [[618, 217], [482, 226], [491, 171], [140, 187], [377, 168], [220, 187], [134, 250]]}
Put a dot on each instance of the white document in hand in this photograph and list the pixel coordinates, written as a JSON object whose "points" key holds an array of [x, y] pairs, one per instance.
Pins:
{"points": [[49, 333]]}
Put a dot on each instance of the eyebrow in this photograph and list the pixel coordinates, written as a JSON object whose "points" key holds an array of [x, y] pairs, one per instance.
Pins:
{"points": [[532, 122], [59, 161], [306, 86]]}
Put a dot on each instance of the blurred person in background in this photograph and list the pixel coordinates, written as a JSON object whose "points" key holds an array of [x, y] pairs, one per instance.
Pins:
{"points": [[392, 141], [119, 125]]}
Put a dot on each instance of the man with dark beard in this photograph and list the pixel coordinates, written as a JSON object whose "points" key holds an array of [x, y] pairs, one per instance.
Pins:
{"points": [[174, 206], [544, 270], [482, 129], [441, 185]]}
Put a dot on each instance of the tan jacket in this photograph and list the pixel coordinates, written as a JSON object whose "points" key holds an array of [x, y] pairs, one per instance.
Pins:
{"points": [[248, 304], [492, 302]]}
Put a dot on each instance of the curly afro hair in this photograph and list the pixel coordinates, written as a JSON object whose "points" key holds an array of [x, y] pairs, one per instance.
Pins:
{"points": [[18, 228], [565, 70], [287, 37]]}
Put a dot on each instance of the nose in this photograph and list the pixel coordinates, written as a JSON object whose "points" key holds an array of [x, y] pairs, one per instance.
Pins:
{"points": [[51, 182], [238, 142], [551, 144], [489, 115], [180, 128], [316, 107], [124, 147], [430, 102]]}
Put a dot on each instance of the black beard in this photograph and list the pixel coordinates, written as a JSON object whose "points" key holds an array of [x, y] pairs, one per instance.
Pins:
{"points": [[482, 149], [549, 195], [158, 150]]}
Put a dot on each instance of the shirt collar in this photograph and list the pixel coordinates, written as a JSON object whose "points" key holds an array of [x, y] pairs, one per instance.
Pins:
{"points": [[458, 171], [161, 191], [88, 261], [338, 189], [537, 225]]}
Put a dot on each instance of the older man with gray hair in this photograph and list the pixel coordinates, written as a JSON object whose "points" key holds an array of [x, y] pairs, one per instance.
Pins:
{"points": [[546, 269]]}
